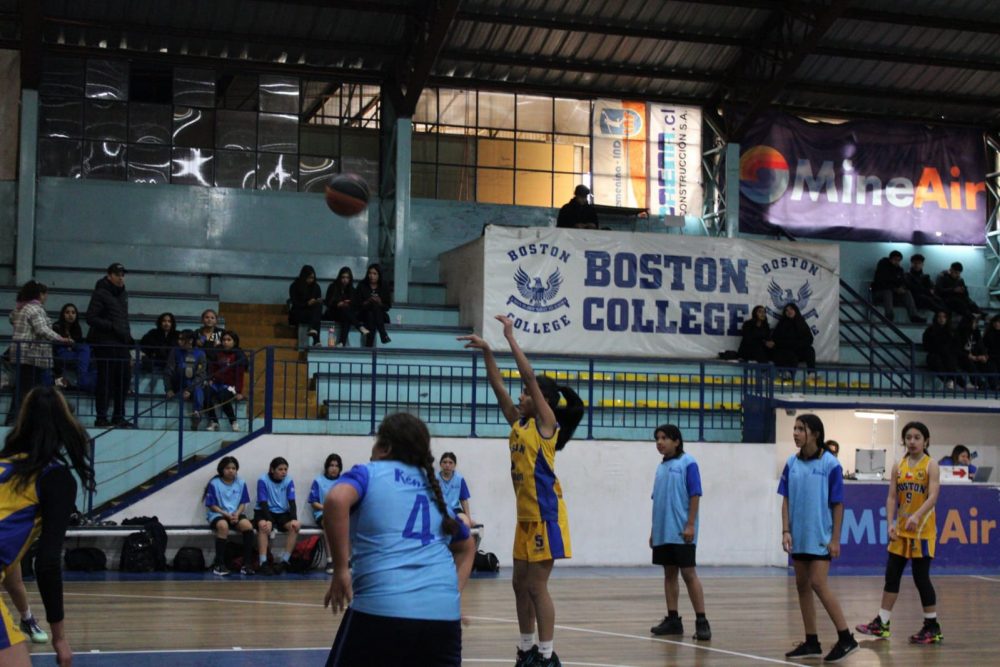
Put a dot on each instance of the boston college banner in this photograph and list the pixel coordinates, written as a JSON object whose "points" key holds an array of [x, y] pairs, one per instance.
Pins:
{"points": [[615, 294]]}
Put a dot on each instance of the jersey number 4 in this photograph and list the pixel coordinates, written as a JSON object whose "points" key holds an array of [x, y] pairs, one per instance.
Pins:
{"points": [[421, 512]]}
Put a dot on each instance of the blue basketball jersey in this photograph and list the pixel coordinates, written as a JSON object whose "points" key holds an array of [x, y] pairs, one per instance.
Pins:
{"points": [[454, 490], [275, 494], [317, 493], [812, 487], [402, 565], [227, 496], [677, 481]]}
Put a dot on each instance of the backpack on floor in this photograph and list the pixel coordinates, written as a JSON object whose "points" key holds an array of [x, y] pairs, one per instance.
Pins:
{"points": [[157, 535], [85, 559], [486, 561], [189, 559], [306, 555], [138, 553]]}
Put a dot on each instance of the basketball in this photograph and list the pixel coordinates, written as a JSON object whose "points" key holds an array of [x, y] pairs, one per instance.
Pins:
{"points": [[347, 194]]}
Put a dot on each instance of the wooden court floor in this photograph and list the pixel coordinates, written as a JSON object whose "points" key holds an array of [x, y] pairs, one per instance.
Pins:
{"points": [[603, 619]]}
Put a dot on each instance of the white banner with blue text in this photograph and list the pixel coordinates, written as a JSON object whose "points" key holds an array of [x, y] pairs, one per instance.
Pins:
{"points": [[675, 186], [651, 295]]}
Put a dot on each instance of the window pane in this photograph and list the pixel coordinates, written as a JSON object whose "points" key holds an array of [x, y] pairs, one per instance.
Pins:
{"points": [[104, 160], [319, 140], [496, 110], [151, 83], [424, 148], [426, 111], [456, 149], [194, 87], [496, 153], [455, 183], [236, 130], [423, 181], [149, 164], [59, 157], [237, 91], [533, 188], [315, 172], [192, 166], [194, 128], [277, 171], [279, 94], [573, 116], [278, 133], [62, 76], [534, 155], [107, 80], [236, 169], [359, 144], [457, 107], [105, 120], [495, 186], [60, 117], [563, 186], [149, 123], [534, 114]]}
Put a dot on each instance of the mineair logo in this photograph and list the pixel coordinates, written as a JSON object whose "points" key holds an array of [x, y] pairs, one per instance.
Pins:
{"points": [[763, 175], [620, 123]]}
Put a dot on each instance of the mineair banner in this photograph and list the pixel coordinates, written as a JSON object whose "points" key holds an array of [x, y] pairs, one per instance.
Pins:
{"points": [[675, 186], [607, 293], [619, 153], [863, 181]]}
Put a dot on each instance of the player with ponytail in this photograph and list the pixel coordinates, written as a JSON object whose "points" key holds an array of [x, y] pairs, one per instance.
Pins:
{"points": [[539, 427], [411, 556]]}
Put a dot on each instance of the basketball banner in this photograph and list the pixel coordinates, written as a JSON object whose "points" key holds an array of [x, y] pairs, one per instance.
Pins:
{"points": [[618, 150], [644, 295], [863, 181]]}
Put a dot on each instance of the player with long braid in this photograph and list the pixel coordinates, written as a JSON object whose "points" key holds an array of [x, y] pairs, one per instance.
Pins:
{"points": [[411, 556]]}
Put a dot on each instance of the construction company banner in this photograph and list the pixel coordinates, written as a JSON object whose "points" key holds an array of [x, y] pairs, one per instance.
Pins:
{"points": [[675, 183], [618, 152], [614, 294], [967, 518], [863, 181]]}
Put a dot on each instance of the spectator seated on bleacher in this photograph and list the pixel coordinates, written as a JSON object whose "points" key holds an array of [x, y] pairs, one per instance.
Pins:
{"points": [[186, 373], [208, 336], [225, 383], [960, 456], [970, 351], [156, 345], [940, 343], [305, 302], [921, 287], [951, 288], [72, 367], [341, 306], [889, 288], [756, 332], [374, 302], [991, 341], [792, 340]]}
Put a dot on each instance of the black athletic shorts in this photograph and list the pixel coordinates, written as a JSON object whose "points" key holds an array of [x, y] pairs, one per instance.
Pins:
{"points": [[278, 521], [676, 555], [808, 557], [211, 524], [366, 640]]}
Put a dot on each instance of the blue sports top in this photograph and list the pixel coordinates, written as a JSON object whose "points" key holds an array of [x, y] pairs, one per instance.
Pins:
{"points": [[812, 487], [402, 565], [677, 480], [227, 496], [454, 490], [317, 492], [275, 494]]}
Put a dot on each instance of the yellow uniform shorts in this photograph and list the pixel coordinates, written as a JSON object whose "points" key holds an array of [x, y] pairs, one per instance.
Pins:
{"points": [[10, 633], [542, 540], [912, 547]]}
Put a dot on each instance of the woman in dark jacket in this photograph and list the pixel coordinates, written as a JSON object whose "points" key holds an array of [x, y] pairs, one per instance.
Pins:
{"points": [[792, 340], [374, 300], [341, 305], [970, 351], [157, 343], [72, 362], [306, 302], [756, 333], [940, 343]]}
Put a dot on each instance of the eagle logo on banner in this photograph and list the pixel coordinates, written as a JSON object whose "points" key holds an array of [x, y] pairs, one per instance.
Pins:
{"points": [[535, 294], [781, 297]]}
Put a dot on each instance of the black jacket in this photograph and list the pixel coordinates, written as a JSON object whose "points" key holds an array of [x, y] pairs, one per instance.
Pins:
{"points": [[888, 276], [158, 343], [364, 292], [919, 283], [574, 213], [336, 293], [791, 334], [107, 315]]}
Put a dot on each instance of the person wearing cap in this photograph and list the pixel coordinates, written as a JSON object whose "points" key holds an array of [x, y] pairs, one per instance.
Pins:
{"points": [[110, 337], [578, 212]]}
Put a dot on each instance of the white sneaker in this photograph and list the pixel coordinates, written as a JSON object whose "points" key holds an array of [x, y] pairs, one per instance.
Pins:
{"points": [[364, 331], [950, 384], [236, 427], [212, 426]]}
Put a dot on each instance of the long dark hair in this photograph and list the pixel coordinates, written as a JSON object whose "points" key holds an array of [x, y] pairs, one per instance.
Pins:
{"points": [[306, 271], [798, 313], [567, 416], [378, 269], [330, 459], [173, 321], [672, 433], [47, 431], [407, 440], [31, 291], [66, 329], [223, 462], [924, 431], [814, 424], [956, 452]]}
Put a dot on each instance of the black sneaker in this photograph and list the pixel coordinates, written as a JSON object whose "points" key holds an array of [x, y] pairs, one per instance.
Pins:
{"points": [[841, 649], [528, 658], [266, 569], [929, 634], [280, 567], [247, 571], [702, 630], [805, 650], [552, 661], [102, 422], [669, 626], [384, 338], [876, 628], [124, 424]]}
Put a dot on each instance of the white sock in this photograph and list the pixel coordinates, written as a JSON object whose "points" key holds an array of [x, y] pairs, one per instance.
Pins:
{"points": [[27, 614], [545, 648], [885, 615], [527, 641], [930, 615]]}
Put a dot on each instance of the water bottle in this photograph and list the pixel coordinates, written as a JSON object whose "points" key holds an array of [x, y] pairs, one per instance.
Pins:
{"points": [[331, 340]]}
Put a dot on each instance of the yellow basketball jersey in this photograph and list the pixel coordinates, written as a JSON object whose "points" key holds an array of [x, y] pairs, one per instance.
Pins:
{"points": [[20, 518], [912, 487], [533, 472]]}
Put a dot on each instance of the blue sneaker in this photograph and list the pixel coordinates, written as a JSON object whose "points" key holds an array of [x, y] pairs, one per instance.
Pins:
{"points": [[30, 627]]}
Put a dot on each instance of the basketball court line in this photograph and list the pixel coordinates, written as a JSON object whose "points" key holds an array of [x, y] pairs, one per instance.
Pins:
{"points": [[978, 576], [569, 628]]}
